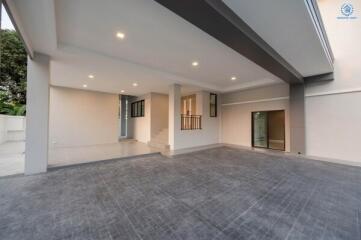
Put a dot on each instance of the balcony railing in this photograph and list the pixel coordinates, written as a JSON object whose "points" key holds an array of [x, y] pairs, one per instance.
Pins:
{"points": [[191, 122]]}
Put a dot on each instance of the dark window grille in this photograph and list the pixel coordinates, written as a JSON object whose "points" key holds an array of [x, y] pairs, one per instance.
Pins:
{"points": [[213, 105], [137, 109]]}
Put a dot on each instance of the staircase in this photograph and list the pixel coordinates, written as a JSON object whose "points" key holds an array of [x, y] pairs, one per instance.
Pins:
{"points": [[160, 140]]}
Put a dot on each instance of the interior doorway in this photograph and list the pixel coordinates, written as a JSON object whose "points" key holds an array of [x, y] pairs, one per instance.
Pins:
{"points": [[268, 129]]}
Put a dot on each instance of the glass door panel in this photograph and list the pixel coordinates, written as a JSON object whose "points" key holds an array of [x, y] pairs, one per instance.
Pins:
{"points": [[259, 129]]}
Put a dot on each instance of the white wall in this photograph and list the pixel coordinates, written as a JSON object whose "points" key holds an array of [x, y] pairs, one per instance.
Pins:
{"points": [[3, 128], [209, 134], [333, 112], [141, 125], [155, 117], [16, 123], [237, 108], [80, 118], [37, 114], [14, 127]]}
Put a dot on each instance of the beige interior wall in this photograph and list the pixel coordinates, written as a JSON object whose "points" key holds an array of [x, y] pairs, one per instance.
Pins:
{"points": [[159, 113], [80, 118], [237, 108]]}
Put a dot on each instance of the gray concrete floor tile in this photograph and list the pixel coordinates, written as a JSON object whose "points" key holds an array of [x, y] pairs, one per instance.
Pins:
{"points": [[221, 193]]}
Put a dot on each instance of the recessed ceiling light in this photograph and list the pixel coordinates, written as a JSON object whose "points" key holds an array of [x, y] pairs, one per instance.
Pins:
{"points": [[233, 78], [135, 84], [85, 86], [120, 35], [91, 76], [195, 64], [122, 91]]}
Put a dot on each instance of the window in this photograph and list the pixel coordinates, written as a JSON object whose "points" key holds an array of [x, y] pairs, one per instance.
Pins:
{"points": [[137, 109], [213, 105]]}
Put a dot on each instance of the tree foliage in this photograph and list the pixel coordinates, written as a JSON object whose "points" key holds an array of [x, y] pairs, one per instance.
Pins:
{"points": [[12, 74]]}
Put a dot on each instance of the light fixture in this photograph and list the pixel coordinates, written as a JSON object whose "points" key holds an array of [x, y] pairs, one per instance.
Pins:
{"points": [[85, 86], [91, 76], [195, 64], [122, 91], [135, 84], [233, 78], [120, 35]]}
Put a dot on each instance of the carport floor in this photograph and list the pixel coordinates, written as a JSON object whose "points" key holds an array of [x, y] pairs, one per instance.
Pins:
{"points": [[221, 193]]}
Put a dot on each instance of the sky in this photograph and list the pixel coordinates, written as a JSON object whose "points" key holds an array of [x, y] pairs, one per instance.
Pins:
{"points": [[5, 21]]}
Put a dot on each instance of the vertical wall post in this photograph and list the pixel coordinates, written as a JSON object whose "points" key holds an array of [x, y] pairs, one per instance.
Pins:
{"points": [[37, 114], [297, 118], [123, 113], [174, 114]]}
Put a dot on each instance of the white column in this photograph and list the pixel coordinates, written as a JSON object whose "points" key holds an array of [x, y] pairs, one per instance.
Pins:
{"points": [[174, 114], [37, 114]]}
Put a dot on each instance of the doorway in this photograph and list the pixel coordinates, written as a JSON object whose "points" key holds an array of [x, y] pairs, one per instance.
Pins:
{"points": [[268, 129], [189, 105]]}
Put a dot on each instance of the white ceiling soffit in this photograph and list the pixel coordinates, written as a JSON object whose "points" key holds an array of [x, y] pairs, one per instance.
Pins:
{"points": [[158, 48], [72, 67], [288, 28], [37, 17]]}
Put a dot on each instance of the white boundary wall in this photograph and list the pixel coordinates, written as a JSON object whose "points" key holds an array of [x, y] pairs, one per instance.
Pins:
{"points": [[12, 128]]}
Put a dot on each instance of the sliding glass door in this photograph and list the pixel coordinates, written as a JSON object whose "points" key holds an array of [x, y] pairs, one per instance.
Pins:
{"points": [[260, 129], [268, 129]]}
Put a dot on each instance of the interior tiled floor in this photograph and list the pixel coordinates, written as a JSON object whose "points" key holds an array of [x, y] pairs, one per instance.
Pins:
{"points": [[12, 158], [63, 156], [220, 193]]}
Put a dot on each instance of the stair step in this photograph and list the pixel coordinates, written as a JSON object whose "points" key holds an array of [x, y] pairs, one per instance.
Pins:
{"points": [[160, 139], [158, 145]]}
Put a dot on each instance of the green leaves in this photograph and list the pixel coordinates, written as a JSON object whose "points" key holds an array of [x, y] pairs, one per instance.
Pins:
{"points": [[12, 74]]}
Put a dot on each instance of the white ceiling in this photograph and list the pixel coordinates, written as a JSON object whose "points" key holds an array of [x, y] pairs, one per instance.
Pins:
{"points": [[288, 28], [158, 48], [157, 51]]}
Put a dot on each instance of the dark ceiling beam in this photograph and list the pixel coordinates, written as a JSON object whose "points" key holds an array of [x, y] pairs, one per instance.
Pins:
{"points": [[220, 22], [320, 78]]}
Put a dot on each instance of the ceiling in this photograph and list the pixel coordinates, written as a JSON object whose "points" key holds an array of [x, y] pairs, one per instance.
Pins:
{"points": [[290, 31], [158, 49]]}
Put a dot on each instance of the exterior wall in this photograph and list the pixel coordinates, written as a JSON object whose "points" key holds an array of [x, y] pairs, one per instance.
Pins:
{"points": [[16, 123], [80, 118], [209, 134], [14, 127], [3, 128], [237, 108], [159, 112], [333, 112]]}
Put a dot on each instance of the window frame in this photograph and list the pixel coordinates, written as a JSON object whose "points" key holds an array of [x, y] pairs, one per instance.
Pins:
{"points": [[213, 104], [137, 109]]}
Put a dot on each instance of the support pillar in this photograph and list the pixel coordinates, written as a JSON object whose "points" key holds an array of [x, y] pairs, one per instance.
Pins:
{"points": [[297, 118], [123, 116], [174, 114], [37, 114]]}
